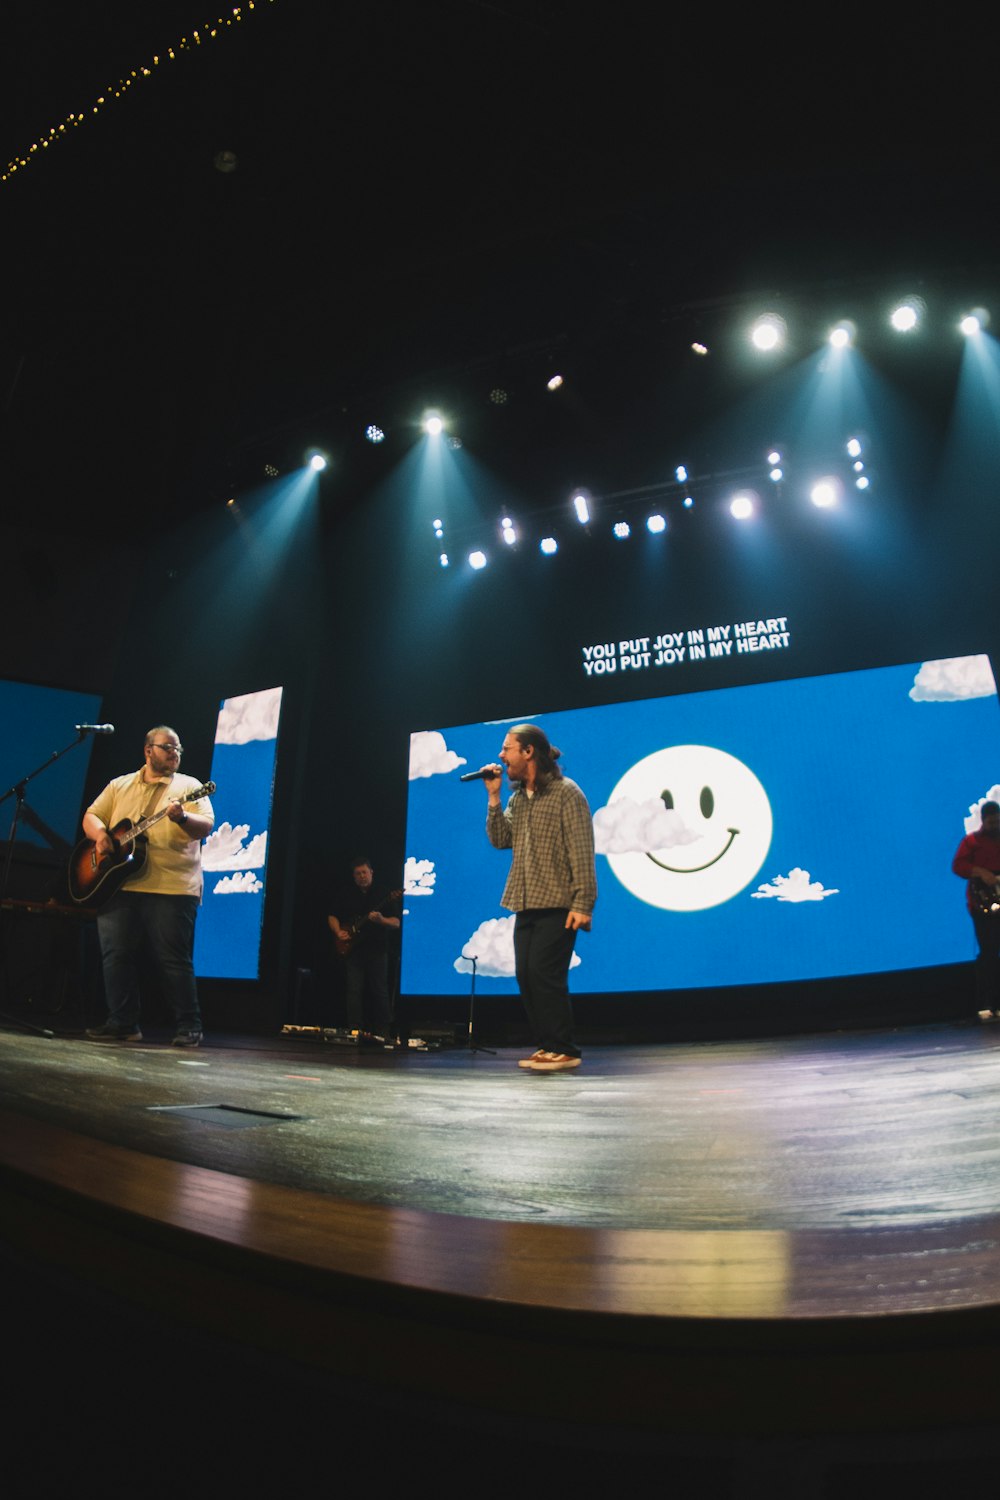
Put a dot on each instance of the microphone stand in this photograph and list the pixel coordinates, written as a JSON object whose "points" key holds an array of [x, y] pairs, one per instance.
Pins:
{"points": [[473, 1047], [17, 791]]}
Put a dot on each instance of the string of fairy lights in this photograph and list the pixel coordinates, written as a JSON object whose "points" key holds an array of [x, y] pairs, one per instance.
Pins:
{"points": [[210, 32]]}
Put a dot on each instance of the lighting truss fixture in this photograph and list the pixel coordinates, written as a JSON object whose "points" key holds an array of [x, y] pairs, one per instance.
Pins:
{"points": [[317, 461], [741, 507], [622, 530], [842, 336], [374, 434], [824, 493], [554, 382], [681, 474], [854, 447], [582, 507], [907, 315], [656, 523], [768, 333], [688, 502], [477, 560], [433, 424], [548, 545], [443, 559], [507, 531]]}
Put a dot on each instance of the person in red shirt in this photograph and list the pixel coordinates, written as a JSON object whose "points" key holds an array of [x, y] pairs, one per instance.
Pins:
{"points": [[977, 861]]}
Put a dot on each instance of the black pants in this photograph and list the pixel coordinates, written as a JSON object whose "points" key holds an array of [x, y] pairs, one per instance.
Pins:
{"points": [[988, 962], [366, 988], [543, 947]]}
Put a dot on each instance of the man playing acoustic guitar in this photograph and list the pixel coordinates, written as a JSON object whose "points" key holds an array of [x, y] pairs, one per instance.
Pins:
{"points": [[362, 928], [159, 904]]}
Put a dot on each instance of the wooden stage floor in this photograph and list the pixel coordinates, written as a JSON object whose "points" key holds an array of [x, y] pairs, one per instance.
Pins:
{"points": [[702, 1213]]}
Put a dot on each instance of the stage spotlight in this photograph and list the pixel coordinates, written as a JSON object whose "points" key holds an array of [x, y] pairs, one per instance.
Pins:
{"points": [[776, 475], [824, 493], [842, 336], [548, 545], [688, 501], [374, 434], [741, 507], [622, 530], [316, 460], [768, 333], [271, 471], [454, 442], [498, 396], [906, 315], [858, 465], [433, 425], [699, 349], [477, 559], [681, 474], [969, 325], [554, 382], [438, 532], [443, 559], [861, 483], [656, 523], [854, 447], [507, 531], [581, 507], [774, 457]]}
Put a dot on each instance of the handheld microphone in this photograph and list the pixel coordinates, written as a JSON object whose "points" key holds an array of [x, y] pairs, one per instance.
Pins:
{"points": [[486, 774], [94, 728]]}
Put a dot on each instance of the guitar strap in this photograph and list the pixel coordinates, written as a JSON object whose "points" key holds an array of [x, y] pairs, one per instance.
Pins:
{"points": [[151, 805]]}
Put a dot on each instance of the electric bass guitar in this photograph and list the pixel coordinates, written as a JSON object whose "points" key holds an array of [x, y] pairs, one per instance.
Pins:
{"points": [[986, 898], [94, 878], [345, 944]]}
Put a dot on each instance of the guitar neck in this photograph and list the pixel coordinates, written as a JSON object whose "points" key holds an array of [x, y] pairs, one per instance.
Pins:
{"points": [[137, 829]]}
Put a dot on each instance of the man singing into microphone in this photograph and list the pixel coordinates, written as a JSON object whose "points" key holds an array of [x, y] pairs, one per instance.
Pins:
{"points": [[160, 904], [552, 885]]}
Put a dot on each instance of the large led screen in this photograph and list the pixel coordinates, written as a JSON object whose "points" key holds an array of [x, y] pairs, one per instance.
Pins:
{"points": [[234, 857], [783, 830]]}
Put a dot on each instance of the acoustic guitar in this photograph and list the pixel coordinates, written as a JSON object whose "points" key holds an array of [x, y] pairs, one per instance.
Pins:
{"points": [[94, 878]]}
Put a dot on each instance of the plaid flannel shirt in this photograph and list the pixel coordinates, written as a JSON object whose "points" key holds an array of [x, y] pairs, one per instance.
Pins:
{"points": [[552, 835]]}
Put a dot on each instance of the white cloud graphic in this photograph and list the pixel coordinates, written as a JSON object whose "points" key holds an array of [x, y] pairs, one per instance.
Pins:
{"points": [[492, 945], [224, 849], [795, 886], [253, 716], [430, 756], [974, 821], [245, 884], [953, 679], [628, 827], [418, 877]]}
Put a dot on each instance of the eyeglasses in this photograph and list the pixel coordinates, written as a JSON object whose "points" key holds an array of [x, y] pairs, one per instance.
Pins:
{"points": [[178, 748]]}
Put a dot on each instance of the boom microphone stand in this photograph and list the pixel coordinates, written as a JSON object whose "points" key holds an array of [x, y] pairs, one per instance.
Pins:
{"points": [[17, 791]]}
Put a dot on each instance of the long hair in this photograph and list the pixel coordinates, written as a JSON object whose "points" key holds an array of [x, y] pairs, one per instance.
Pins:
{"points": [[546, 755]]}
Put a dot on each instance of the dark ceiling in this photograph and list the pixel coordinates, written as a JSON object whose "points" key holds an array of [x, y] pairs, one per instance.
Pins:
{"points": [[426, 195]]}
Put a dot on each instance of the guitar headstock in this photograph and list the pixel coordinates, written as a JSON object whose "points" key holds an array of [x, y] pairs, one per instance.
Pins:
{"points": [[205, 790]]}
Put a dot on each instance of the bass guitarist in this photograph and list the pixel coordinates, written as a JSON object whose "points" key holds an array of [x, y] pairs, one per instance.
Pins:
{"points": [[157, 908], [364, 925], [977, 860]]}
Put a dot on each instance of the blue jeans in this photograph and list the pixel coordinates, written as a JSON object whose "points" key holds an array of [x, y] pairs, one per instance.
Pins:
{"points": [[166, 925], [543, 947]]}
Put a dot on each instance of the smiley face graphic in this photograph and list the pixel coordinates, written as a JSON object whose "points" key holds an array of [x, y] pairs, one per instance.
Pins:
{"points": [[718, 798]]}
